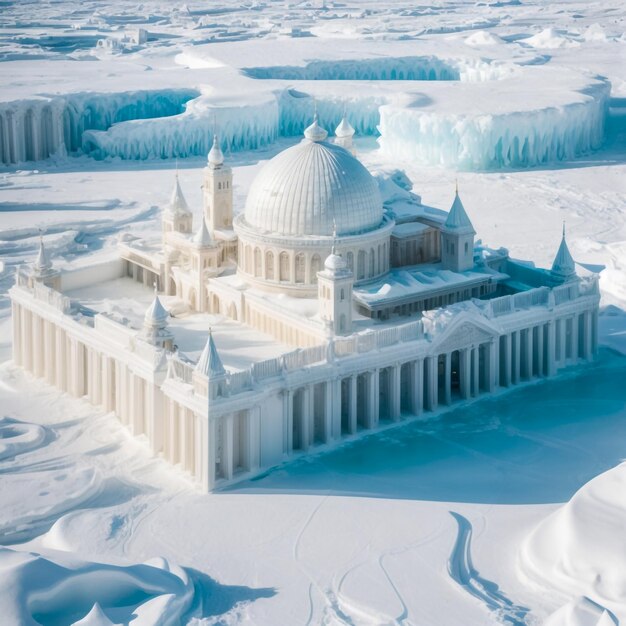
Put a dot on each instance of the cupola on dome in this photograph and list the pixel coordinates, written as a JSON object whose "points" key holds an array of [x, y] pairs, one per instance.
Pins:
{"points": [[302, 190]]}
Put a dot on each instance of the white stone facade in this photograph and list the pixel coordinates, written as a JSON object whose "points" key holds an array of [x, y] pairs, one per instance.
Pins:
{"points": [[485, 323]]}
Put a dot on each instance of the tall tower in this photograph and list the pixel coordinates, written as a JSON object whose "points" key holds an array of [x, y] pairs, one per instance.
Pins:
{"points": [[218, 191], [344, 134], [334, 292], [177, 217], [563, 268], [457, 239]]}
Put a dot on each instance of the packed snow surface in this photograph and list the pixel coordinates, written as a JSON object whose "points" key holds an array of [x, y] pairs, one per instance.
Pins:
{"points": [[509, 510]]}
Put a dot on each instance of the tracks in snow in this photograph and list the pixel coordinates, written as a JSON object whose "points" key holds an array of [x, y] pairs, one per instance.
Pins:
{"points": [[462, 570]]}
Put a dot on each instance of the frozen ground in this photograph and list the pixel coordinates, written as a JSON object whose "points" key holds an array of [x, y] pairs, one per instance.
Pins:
{"points": [[506, 511]]}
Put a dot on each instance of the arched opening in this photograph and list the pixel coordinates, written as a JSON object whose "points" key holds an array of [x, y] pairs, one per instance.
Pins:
{"points": [[316, 266], [372, 263], [232, 312], [300, 267], [193, 299], [172, 289], [269, 265], [257, 262], [285, 274], [350, 261], [361, 265]]}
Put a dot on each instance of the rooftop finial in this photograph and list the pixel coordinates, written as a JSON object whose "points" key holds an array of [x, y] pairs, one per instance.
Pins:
{"points": [[563, 229], [334, 236], [456, 186]]}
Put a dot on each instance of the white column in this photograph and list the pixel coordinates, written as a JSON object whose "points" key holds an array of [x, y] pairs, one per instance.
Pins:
{"points": [[227, 446], [17, 336], [305, 426], [516, 356], [373, 398], [476, 371], [27, 339], [491, 364], [417, 386], [288, 421], [172, 438], [528, 353], [49, 342], [432, 399], [394, 392], [551, 349], [335, 387], [587, 338], [353, 405], [448, 378], [563, 339], [184, 416], [211, 456], [254, 438], [465, 367], [38, 346], [328, 411], [539, 353]]}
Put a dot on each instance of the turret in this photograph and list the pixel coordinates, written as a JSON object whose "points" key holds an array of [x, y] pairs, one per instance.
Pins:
{"points": [[155, 325], [218, 191], [334, 289], [177, 217], [42, 270], [563, 268], [457, 239], [344, 134], [209, 377]]}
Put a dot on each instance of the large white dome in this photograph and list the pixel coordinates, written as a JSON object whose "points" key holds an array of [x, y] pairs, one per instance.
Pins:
{"points": [[309, 187]]}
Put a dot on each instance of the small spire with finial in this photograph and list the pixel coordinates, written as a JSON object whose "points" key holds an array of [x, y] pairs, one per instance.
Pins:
{"points": [[456, 186], [334, 249], [563, 229]]}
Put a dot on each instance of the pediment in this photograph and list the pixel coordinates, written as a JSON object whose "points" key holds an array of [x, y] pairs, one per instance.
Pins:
{"points": [[462, 334]]}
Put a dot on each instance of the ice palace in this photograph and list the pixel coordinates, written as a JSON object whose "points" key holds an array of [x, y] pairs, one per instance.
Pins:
{"points": [[371, 315]]}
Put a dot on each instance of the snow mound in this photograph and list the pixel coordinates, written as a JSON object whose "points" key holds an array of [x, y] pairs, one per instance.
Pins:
{"points": [[595, 32], [581, 612], [37, 590], [17, 437], [550, 40], [581, 547], [483, 38]]}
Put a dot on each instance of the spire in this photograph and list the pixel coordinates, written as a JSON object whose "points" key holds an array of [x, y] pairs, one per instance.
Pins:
{"points": [[156, 315], [315, 132], [563, 265], [458, 220], [209, 362], [216, 156], [202, 238], [42, 262], [178, 204], [344, 129]]}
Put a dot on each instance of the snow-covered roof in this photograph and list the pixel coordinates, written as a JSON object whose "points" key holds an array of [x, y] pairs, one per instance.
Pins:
{"points": [[563, 262], [216, 156], [178, 204], [42, 262], [209, 362], [458, 219], [302, 190], [202, 238], [344, 129], [156, 314], [409, 229]]}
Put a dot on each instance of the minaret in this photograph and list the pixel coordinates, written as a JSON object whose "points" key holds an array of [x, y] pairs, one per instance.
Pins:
{"points": [[457, 238], [209, 366], [334, 292], [155, 329], [563, 268], [218, 191], [344, 134], [42, 270], [177, 217]]}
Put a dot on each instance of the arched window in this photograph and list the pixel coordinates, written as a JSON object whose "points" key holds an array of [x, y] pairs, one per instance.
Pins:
{"points": [[219, 185], [343, 294], [361, 265], [350, 261], [342, 323], [285, 274], [372, 262], [257, 262], [300, 267], [269, 265], [248, 259], [316, 266]]}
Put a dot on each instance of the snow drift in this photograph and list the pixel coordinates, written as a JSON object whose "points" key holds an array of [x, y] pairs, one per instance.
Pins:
{"points": [[581, 548]]}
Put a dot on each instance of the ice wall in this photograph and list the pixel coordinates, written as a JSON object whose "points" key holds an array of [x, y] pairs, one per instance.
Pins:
{"points": [[517, 139], [36, 129], [245, 127]]}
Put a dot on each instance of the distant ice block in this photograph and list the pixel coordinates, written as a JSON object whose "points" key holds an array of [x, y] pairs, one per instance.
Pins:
{"points": [[35, 129]]}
